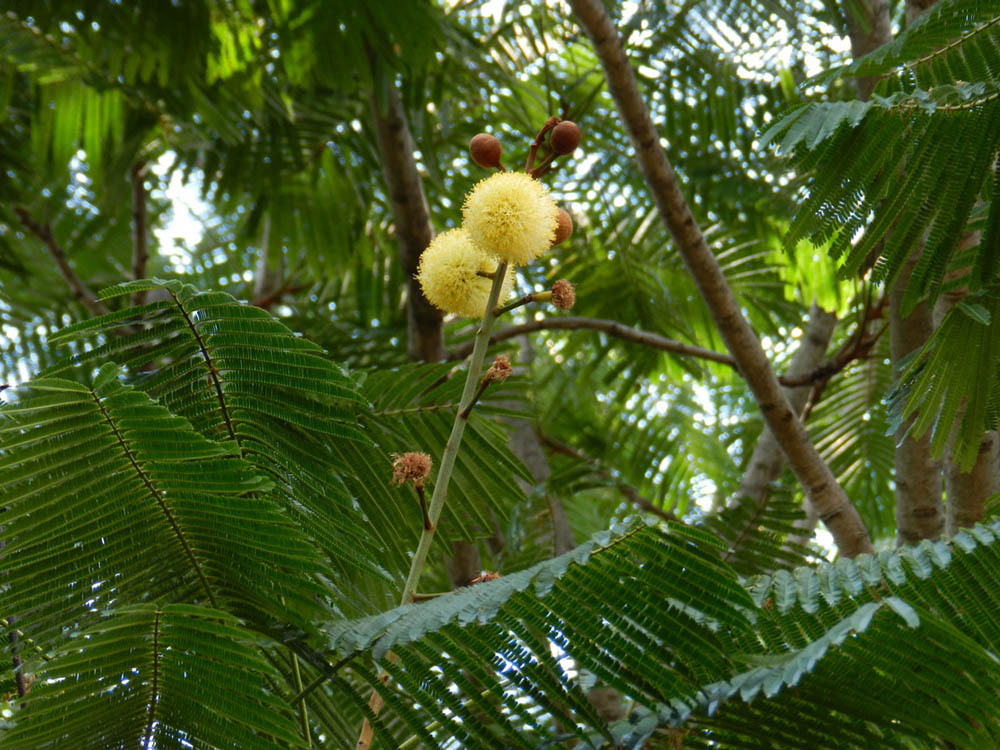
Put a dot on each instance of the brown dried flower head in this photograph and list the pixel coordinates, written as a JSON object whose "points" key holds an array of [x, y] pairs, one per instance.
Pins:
{"points": [[499, 371], [411, 467], [563, 295]]}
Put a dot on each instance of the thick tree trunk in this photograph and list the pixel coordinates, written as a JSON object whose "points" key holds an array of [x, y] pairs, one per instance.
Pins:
{"points": [[869, 26], [919, 512], [966, 492], [826, 496], [413, 225]]}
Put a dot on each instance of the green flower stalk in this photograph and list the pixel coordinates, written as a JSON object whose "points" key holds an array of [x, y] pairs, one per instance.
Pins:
{"points": [[455, 439]]}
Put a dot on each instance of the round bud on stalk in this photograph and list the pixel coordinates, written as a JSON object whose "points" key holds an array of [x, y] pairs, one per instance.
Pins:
{"points": [[564, 227], [565, 137], [485, 150]]}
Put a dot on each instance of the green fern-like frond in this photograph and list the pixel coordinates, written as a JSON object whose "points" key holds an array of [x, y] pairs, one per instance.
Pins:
{"points": [[503, 643], [894, 650], [173, 676], [240, 376], [756, 533], [109, 498], [905, 170], [901, 172], [955, 40], [951, 385]]}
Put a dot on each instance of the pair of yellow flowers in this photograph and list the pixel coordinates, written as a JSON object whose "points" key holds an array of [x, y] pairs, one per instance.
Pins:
{"points": [[508, 217]]}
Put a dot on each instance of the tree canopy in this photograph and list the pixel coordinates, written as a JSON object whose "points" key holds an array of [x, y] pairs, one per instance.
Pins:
{"points": [[741, 494]]}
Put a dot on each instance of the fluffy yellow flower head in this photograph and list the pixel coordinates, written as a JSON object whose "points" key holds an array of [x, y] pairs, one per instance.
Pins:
{"points": [[448, 274], [512, 216]]}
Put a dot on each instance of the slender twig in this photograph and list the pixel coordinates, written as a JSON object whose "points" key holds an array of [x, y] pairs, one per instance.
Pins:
{"points": [[303, 710], [79, 289], [610, 327], [633, 495], [539, 140], [544, 166], [8, 624], [445, 469], [19, 677], [140, 247], [521, 302], [269, 300], [428, 525], [858, 346]]}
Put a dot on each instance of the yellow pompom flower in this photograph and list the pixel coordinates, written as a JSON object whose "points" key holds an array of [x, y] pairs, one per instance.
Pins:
{"points": [[449, 275], [512, 216]]}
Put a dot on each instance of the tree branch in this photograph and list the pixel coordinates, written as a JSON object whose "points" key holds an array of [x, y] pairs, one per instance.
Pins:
{"points": [[44, 233], [767, 460], [140, 248], [610, 327], [630, 492], [826, 496], [966, 492], [412, 221]]}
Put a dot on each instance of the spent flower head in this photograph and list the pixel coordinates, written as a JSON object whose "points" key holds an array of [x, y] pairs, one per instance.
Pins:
{"points": [[563, 295], [449, 274], [411, 467], [512, 216], [499, 371]]}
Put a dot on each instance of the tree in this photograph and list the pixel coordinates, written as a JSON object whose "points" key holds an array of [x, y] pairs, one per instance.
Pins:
{"points": [[202, 541]]}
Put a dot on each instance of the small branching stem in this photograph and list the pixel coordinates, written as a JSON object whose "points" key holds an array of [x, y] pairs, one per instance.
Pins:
{"points": [[447, 465], [428, 526], [455, 439], [525, 300], [543, 167], [539, 140]]}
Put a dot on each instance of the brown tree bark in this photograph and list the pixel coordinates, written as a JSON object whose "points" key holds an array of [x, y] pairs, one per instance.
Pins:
{"points": [[826, 496], [919, 507], [919, 510], [966, 492], [425, 340], [767, 460], [140, 230], [869, 27]]}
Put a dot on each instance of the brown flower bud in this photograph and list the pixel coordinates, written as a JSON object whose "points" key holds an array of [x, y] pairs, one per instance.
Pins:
{"points": [[411, 467], [565, 137], [485, 150], [564, 227], [499, 371], [563, 295]]}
